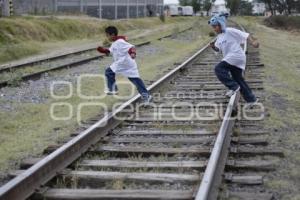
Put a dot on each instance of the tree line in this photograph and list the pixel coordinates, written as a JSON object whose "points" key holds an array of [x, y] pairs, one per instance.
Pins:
{"points": [[282, 6], [244, 7]]}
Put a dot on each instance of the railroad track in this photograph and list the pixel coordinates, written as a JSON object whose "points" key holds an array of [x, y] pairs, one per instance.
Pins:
{"points": [[180, 147], [33, 70]]}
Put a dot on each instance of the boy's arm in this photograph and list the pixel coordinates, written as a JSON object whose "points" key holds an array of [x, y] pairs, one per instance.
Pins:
{"points": [[132, 52], [103, 50], [212, 45], [253, 41]]}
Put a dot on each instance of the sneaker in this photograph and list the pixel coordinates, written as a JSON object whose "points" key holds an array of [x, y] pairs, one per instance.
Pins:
{"points": [[148, 100], [252, 104], [107, 92], [232, 92]]}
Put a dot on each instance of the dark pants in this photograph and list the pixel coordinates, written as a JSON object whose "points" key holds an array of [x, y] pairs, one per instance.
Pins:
{"points": [[235, 80], [139, 84]]}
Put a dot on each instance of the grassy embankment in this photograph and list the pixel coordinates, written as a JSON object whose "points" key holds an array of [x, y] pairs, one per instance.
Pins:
{"points": [[21, 37], [280, 52], [27, 128]]}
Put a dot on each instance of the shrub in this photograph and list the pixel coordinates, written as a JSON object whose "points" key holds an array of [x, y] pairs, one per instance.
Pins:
{"points": [[283, 22]]}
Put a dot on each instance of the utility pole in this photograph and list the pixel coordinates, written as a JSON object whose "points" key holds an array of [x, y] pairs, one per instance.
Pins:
{"points": [[2, 9], [100, 9], [55, 6], [145, 8], [7, 8], [137, 9], [81, 6], [116, 9], [11, 8], [127, 9]]}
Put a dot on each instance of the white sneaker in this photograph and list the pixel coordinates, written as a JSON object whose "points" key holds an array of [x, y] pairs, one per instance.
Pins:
{"points": [[252, 104], [148, 100], [107, 92], [232, 92]]}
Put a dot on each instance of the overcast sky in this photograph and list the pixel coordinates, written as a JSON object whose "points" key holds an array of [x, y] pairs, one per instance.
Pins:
{"points": [[176, 1]]}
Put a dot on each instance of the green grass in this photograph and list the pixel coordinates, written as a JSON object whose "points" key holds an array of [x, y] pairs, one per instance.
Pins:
{"points": [[280, 52], [15, 51], [138, 37], [29, 128], [24, 36]]}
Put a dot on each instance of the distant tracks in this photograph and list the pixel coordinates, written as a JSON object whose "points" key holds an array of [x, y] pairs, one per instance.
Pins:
{"points": [[68, 63]]}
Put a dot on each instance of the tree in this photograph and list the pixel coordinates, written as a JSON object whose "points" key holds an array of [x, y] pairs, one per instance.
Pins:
{"points": [[293, 5], [297, 6], [282, 6], [196, 5], [207, 4], [242, 7], [233, 5], [184, 2], [245, 8]]}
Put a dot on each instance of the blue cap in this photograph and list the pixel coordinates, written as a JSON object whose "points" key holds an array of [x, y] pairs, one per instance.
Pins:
{"points": [[218, 20]]}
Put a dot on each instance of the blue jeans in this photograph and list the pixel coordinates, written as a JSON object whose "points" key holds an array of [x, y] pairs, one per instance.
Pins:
{"points": [[235, 80], [139, 84]]}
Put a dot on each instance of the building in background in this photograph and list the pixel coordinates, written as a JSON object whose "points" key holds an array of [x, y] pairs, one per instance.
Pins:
{"points": [[258, 8], [106, 9], [176, 10], [218, 8], [111, 9]]}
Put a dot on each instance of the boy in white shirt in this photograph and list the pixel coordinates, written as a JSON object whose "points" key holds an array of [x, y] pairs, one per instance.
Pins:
{"points": [[123, 54], [229, 42]]}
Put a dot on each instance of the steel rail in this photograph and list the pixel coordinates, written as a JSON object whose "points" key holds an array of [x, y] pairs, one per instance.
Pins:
{"points": [[25, 184], [37, 75], [8, 67], [212, 177]]}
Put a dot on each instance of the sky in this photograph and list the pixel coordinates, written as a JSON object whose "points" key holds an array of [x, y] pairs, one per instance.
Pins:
{"points": [[176, 1]]}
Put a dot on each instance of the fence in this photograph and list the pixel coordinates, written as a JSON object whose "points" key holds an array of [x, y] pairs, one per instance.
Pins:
{"points": [[111, 9], [107, 9]]}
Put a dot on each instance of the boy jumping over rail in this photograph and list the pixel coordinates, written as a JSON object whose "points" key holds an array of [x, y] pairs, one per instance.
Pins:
{"points": [[123, 54], [229, 42]]}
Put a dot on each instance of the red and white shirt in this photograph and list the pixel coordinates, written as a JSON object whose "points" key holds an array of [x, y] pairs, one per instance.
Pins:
{"points": [[123, 55]]}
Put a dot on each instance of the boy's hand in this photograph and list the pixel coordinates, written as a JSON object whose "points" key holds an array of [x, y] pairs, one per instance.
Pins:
{"points": [[255, 44], [103, 50], [212, 45], [132, 52], [253, 41]]}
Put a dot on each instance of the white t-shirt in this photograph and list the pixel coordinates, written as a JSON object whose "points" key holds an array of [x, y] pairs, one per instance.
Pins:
{"points": [[123, 63], [229, 43]]}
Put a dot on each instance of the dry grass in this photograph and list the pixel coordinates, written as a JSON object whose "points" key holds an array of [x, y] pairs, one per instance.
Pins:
{"points": [[22, 37]]}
